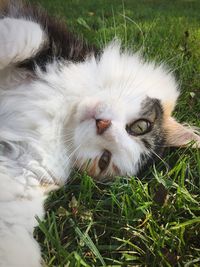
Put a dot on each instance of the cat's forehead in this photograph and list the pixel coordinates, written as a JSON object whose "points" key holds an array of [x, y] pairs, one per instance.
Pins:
{"points": [[146, 108], [127, 74], [118, 74]]}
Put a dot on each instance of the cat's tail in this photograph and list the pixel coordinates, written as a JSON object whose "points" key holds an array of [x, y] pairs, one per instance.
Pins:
{"points": [[30, 37]]}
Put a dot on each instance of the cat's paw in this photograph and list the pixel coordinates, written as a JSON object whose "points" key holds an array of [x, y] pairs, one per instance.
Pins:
{"points": [[20, 40]]}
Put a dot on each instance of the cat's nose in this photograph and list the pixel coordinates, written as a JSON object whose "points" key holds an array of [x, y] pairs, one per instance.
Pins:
{"points": [[102, 125]]}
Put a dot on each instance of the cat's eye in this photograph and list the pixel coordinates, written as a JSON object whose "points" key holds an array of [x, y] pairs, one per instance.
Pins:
{"points": [[104, 160], [139, 127]]}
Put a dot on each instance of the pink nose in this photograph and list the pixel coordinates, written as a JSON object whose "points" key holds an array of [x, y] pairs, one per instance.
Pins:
{"points": [[102, 125]]}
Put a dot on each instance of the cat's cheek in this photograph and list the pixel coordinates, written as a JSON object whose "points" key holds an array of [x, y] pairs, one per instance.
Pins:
{"points": [[115, 169], [93, 169], [89, 166], [85, 133]]}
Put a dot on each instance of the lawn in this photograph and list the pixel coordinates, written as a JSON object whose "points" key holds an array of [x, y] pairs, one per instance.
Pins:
{"points": [[153, 219]]}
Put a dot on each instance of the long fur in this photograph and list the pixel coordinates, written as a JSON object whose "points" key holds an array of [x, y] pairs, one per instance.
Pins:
{"points": [[59, 43], [53, 89]]}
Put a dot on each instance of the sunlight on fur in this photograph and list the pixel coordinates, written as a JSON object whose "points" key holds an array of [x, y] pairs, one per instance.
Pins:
{"points": [[68, 106]]}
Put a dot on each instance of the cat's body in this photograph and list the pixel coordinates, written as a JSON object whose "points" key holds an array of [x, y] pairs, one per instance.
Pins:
{"points": [[63, 107]]}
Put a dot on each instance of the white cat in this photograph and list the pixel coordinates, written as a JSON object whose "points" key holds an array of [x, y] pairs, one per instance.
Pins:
{"points": [[64, 105]]}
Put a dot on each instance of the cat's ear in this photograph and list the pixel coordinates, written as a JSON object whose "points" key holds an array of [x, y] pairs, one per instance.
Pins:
{"points": [[178, 135]]}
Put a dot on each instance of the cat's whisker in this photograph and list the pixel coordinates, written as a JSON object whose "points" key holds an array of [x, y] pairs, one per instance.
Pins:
{"points": [[161, 159], [168, 60], [72, 166], [67, 136], [70, 135], [129, 81], [179, 67], [76, 159], [127, 89], [72, 153], [64, 165], [66, 162], [68, 141], [44, 178], [82, 163]]}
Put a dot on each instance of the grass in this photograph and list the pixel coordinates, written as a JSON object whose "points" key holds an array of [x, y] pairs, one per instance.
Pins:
{"points": [[154, 219]]}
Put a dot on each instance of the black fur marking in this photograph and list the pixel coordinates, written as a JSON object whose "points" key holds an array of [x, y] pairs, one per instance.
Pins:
{"points": [[154, 141], [146, 143], [151, 107], [61, 43]]}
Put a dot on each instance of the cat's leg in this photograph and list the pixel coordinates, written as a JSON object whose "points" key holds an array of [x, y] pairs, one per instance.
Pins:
{"points": [[19, 204], [20, 39], [18, 247]]}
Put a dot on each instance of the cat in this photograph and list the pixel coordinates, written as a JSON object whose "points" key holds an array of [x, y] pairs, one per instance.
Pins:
{"points": [[65, 104]]}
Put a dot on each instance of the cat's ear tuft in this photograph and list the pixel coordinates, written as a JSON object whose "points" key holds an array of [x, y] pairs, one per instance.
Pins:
{"points": [[179, 135]]}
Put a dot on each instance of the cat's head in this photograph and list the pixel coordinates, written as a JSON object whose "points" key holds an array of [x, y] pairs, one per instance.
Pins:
{"points": [[125, 118], [121, 118]]}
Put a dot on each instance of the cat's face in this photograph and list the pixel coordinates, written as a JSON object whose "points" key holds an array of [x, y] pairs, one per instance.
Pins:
{"points": [[118, 135], [114, 113], [119, 124], [123, 118]]}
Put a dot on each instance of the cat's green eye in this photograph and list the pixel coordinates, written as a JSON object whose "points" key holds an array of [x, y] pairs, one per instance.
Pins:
{"points": [[104, 160], [139, 127]]}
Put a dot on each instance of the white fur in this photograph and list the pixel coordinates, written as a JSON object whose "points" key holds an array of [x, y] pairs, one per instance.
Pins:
{"points": [[20, 39], [47, 126]]}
